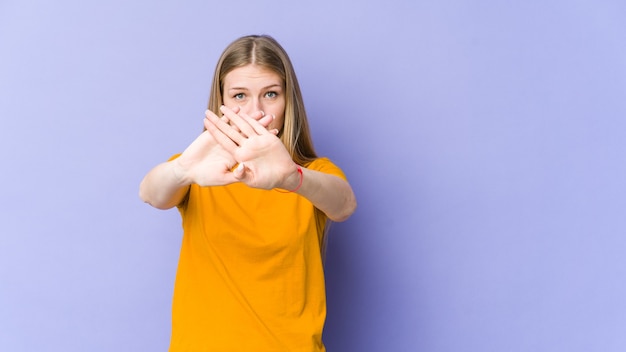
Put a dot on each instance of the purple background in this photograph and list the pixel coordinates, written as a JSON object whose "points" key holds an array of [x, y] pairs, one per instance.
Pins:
{"points": [[485, 141]]}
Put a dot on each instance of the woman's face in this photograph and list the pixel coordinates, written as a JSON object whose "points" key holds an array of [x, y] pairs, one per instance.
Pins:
{"points": [[254, 88]]}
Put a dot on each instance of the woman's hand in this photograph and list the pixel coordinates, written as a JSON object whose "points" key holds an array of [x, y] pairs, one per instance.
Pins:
{"points": [[264, 162], [206, 163]]}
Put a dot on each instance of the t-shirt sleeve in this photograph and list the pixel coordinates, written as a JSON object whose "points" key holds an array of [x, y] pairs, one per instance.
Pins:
{"points": [[174, 157], [326, 166]]}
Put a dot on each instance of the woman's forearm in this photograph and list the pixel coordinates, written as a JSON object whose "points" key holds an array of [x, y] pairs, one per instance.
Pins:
{"points": [[161, 188], [329, 193]]}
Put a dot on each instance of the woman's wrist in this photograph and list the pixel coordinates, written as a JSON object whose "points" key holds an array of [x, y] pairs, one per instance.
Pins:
{"points": [[294, 181], [179, 173]]}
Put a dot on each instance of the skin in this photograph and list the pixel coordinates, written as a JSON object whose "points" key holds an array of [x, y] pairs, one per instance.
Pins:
{"points": [[252, 89], [241, 146]]}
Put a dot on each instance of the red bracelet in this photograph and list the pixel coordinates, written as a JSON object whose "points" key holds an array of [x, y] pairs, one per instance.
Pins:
{"points": [[299, 184]]}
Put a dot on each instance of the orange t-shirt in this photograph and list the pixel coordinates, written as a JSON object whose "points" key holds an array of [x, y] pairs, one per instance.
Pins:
{"points": [[250, 275]]}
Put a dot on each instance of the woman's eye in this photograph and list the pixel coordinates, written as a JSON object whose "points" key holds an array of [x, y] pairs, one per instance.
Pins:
{"points": [[239, 96], [271, 94]]}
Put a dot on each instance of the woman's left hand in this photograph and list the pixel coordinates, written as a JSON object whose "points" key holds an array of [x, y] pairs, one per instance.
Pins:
{"points": [[264, 162]]}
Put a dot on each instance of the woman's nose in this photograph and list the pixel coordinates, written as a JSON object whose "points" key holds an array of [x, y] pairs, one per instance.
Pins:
{"points": [[254, 105]]}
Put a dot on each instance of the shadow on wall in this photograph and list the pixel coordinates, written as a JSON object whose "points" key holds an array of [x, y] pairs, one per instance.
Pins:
{"points": [[368, 304], [373, 296]]}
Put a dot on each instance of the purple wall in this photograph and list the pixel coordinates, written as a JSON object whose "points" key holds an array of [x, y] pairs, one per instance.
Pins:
{"points": [[486, 143]]}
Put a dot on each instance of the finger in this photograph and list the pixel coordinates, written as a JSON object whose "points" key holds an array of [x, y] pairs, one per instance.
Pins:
{"points": [[242, 121], [239, 171], [262, 118], [260, 127], [258, 115], [222, 132], [225, 118], [255, 115], [265, 121], [225, 179], [236, 110]]}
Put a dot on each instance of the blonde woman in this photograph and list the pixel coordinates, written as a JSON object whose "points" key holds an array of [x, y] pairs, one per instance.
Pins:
{"points": [[254, 200]]}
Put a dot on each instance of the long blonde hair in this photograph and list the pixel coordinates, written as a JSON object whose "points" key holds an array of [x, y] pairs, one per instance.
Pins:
{"points": [[264, 51]]}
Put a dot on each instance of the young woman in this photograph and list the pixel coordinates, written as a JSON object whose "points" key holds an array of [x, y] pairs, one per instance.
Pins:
{"points": [[255, 200]]}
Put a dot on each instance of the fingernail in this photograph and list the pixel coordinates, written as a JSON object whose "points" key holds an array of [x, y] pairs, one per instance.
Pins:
{"points": [[273, 117], [262, 113]]}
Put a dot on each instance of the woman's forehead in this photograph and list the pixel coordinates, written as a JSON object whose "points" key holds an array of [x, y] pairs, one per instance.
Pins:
{"points": [[251, 75]]}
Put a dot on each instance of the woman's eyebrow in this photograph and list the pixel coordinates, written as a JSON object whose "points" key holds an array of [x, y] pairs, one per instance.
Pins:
{"points": [[273, 85]]}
